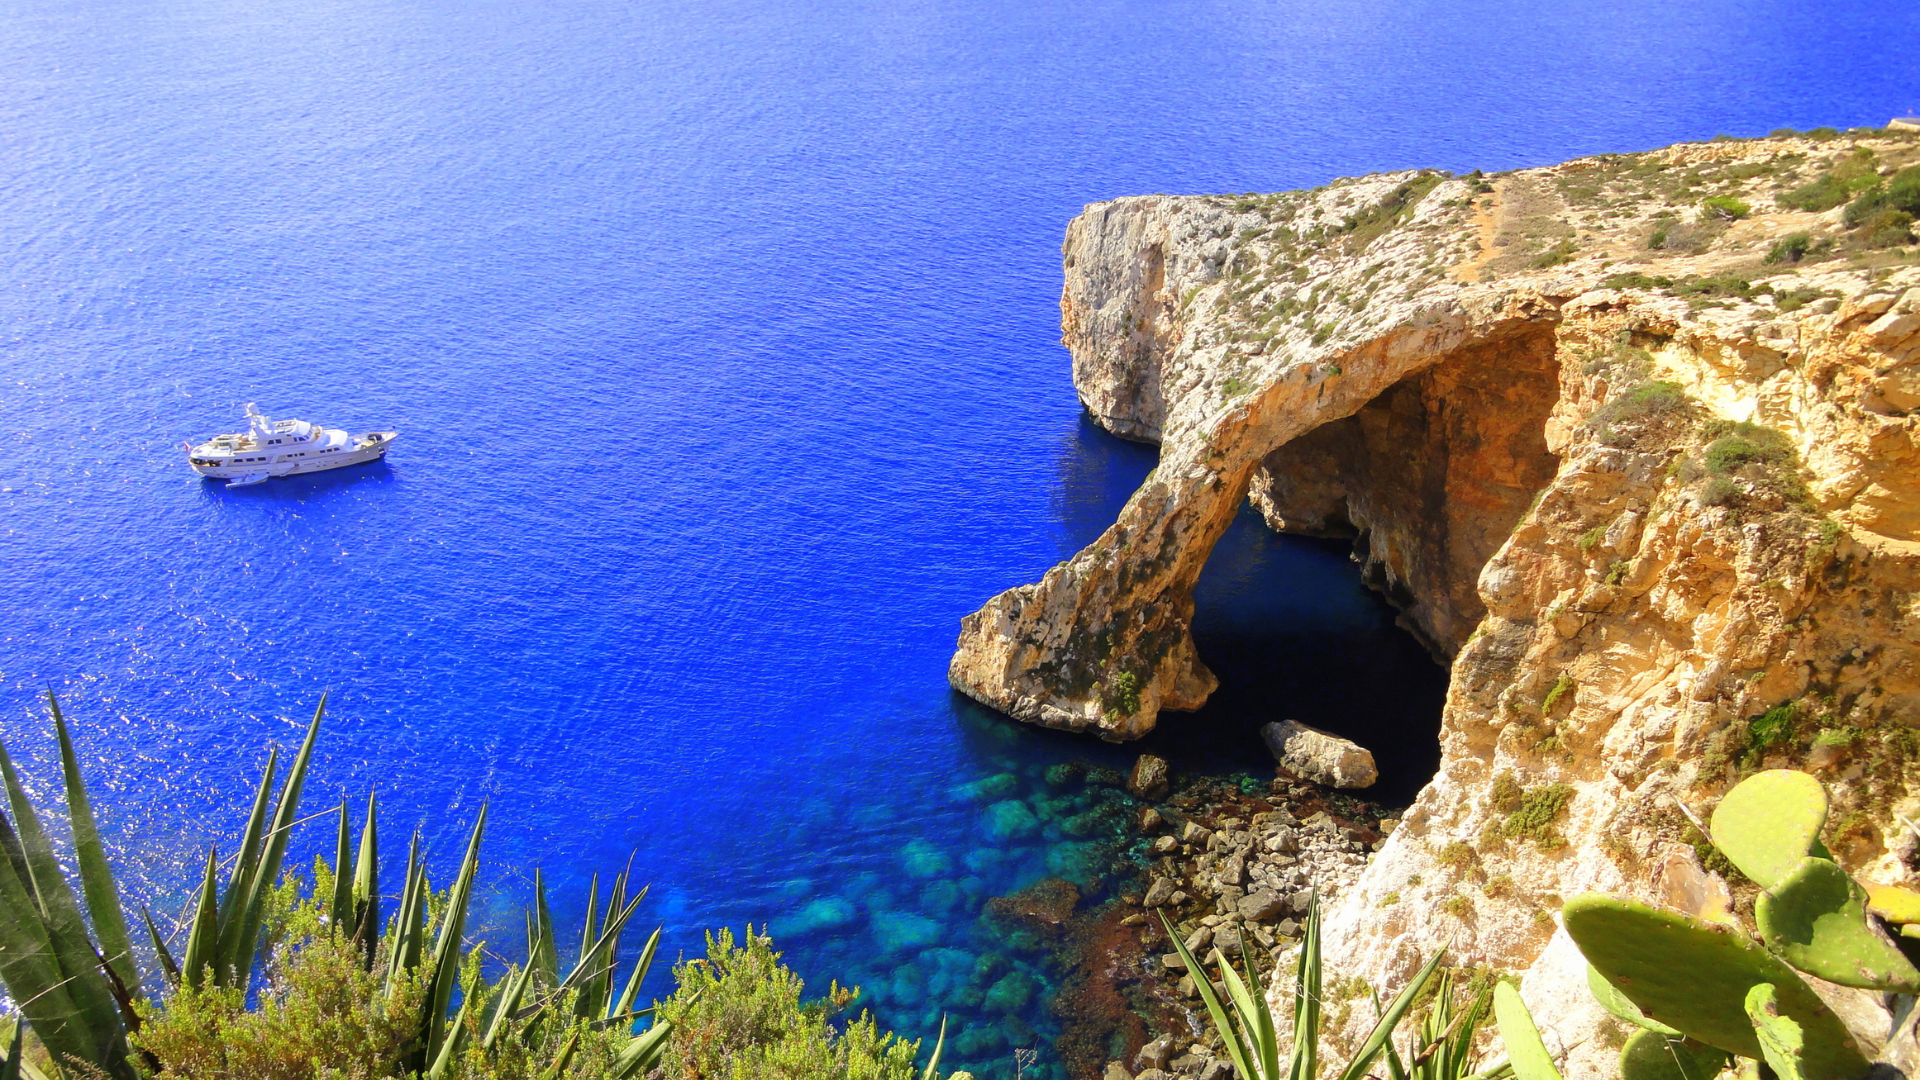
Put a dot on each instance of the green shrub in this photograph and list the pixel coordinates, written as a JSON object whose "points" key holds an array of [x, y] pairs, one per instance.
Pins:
{"points": [[321, 1011], [1561, 252], [1725, 207], [1769, 729], [1644, 407], [1886, 228], [1592, 538], [1719, 491], [1506, 794], [1634, 279], [1534, 819], [1790, 248], [1372, 222], [1728, 284], [1739, 443], [1795, 299], [1561, 687], [737, 1014], [1883, 214]]}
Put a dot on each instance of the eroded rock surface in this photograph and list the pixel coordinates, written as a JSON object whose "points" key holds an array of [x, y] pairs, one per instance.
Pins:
{"points": [[1655, 496]]}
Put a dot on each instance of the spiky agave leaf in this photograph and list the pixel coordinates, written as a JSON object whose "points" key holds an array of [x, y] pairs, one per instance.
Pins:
{"points": [[623, 1008], [203, 941], [542, 955], [340, 910], [514, 987], [366, 886], [449, 947], [933, 1063], [96, 878], [27, 964], [229, 911], [240, 947], [1304, 1062], [1231, 1035], [1383, 1028], [52, 904], [640, 1056], [167, 964]]}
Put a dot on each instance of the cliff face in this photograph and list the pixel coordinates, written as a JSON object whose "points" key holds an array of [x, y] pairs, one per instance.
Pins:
{"points": [[1656, 497]]}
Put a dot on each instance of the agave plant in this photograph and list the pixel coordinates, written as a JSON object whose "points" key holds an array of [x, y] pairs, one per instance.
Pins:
{"points": [[75, 981], [1252, 1038]]}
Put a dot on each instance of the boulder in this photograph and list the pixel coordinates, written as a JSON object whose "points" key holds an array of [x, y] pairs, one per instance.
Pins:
{"points": [[1159, 892], [1320, 757], [1116, 1071], [1154, 1055], [1149, 779], [1262, 904], [1233, 870], [1227, 940]]}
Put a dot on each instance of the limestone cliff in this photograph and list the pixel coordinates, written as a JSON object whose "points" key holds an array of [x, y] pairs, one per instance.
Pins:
{"points": [[1627, 439]]}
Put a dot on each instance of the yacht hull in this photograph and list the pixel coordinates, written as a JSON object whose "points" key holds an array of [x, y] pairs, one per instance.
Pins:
{"points": [[364, 448]]}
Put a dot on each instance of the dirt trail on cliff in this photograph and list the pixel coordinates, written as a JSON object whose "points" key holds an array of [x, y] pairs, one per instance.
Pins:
{"points": [[1486, 224]]}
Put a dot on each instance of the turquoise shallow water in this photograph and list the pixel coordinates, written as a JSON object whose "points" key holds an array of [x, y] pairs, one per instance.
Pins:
{"points": [[722, 340]]}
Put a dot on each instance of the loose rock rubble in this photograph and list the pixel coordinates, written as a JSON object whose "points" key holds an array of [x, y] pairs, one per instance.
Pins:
{"points": [[1231, 870]]}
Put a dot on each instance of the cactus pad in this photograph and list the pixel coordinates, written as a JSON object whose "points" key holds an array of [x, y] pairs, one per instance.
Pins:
{"points": [[1769, 822], [1525, 1050], [1650, 1055], [1815, 918], [1894, 903], [1615, 1002], [1694, 976], [1780, 1037]]}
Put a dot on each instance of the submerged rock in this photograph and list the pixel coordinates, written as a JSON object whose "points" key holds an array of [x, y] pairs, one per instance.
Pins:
{"points": [[921, 859], [997, 786], [826, 913], [1319, 756], [899, 931], [1010, 820]]}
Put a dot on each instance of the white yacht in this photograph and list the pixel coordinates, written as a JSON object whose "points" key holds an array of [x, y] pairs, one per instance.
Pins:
{"points": [[283, 448]]}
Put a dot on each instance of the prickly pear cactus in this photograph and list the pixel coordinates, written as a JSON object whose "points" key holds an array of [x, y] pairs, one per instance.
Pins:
{"points": [[1895, 903], [1780, 1037], [1615, 1002], [1526, 1052], [1815, 918], [1650, 1055], [1694, 976], [1769, 822]]}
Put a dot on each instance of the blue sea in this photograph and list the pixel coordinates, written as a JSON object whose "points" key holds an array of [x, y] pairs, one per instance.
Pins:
{"points": [[722, 341]]}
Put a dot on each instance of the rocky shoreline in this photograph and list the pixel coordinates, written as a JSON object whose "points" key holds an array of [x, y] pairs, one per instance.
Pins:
{"points": [[1224, 861]]}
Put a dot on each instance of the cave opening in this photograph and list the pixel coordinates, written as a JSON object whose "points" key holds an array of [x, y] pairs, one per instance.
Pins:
{"points": [[1344, 587]]}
